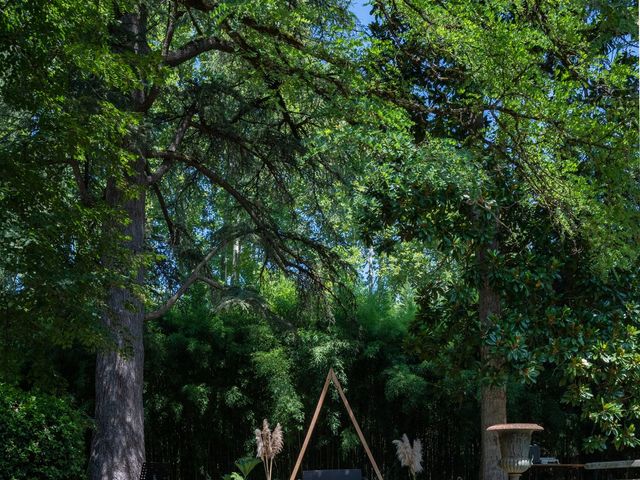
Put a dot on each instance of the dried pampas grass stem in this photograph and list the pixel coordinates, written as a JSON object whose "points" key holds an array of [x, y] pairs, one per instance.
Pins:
{"points": [[269, 444]]}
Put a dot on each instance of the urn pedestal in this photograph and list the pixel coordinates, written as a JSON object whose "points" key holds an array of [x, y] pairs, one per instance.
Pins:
{"points": [[515, 439]]}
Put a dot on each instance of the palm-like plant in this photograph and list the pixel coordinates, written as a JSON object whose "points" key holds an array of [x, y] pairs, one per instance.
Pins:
{"points": [[269, 444], [409, 455]]}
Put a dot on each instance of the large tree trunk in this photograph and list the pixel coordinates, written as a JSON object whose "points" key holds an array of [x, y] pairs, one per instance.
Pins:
{"points": [[117, 448], [493, 410], [493, 398]]}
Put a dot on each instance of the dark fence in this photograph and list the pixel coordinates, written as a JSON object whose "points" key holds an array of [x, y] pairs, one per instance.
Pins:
{"points": [[450, 449]]}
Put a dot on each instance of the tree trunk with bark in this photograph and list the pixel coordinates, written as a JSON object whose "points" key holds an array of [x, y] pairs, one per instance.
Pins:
{"points": [[117, 447], [493, 398]]}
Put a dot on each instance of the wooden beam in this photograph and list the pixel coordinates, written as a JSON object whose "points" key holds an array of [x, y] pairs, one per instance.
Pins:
{"points": [[314, 419], [336, 382], [614, 464]]}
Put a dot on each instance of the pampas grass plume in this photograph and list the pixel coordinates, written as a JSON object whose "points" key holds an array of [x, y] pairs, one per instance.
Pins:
{"points": [[277, 441], [269, 444], [409, 455]]}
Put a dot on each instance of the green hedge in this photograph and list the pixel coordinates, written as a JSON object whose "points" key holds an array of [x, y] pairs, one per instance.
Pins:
{"points": [[41, 437]]}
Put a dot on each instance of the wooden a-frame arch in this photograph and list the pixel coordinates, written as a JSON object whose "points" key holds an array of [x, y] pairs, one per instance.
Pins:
{"points": [[331, 377]]}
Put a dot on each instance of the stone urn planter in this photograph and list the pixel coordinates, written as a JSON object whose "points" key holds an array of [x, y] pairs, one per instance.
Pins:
{"points": [[515, 439]]}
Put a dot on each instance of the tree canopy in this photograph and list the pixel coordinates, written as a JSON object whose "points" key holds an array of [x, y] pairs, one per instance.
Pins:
{"points": [[205, 205]]}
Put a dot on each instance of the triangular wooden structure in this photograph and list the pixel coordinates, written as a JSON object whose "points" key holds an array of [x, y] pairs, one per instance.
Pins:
{"points": [[331, 377]]}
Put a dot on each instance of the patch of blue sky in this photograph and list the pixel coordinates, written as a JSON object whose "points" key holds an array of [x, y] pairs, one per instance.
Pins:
{"points": [[362, 10]]}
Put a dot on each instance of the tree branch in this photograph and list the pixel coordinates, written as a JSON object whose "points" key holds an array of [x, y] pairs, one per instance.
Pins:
{"points": [[193, 277], [182, 128], [211, 282], [171, 26], [153, 178], [173, 240], [244, 202], [177, 140], [194, 48], [274, 32], [85, 196], [194, 22]]}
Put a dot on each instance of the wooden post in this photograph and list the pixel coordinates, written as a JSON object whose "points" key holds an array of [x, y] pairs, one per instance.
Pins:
{"points": [[336, 382], [314, 419]]}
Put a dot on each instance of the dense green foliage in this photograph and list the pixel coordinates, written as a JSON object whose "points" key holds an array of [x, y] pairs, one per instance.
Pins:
{"points": [[523, 175], [41, 436], [211, 375], [314, 194], [52, 278]]}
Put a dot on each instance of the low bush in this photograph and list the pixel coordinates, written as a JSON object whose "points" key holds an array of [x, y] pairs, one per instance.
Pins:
{"points": [[41, 436]]}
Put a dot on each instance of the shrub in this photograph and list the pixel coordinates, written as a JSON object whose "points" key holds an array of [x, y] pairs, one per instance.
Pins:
{"points": [[41, 436]]}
